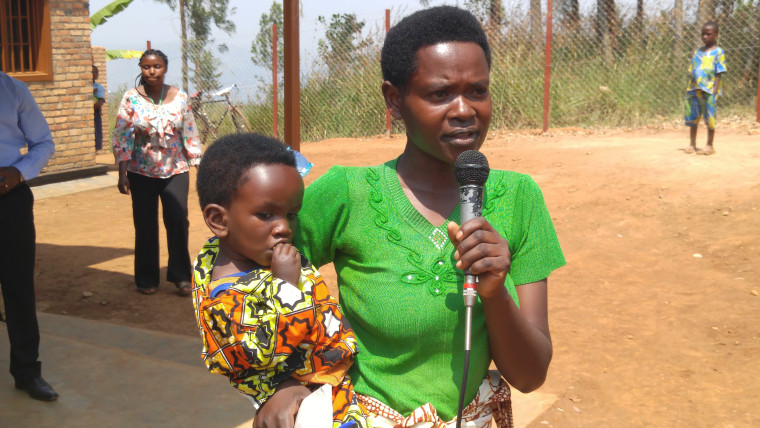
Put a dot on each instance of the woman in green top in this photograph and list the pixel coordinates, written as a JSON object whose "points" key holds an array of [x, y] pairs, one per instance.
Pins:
{"points": [[392, 233]]}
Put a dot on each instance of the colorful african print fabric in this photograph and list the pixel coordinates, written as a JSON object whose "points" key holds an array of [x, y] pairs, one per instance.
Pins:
{"points": [[259, 330], [704, 67], [492, 402], [699, 104]]}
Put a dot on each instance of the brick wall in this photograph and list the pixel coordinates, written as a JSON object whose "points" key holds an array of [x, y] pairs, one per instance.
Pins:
{"points": [[66, 101], [99, 60]]}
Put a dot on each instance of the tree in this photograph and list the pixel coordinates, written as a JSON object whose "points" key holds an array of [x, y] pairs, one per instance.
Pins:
{"points": [[342, 41], [638, 20], [100, 17], [753, 29], [705, 12], [678, 24], [571, 14], [496, 16], [111, 9], [261, 48], [535, 22], [607, 28], [206, 66], [200, 16]]}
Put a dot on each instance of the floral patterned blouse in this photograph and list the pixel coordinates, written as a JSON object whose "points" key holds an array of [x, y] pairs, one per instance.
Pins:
{"points": [[157, 140]]}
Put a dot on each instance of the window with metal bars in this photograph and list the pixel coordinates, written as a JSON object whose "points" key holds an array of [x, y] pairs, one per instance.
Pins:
{"points": [[25, 48]]}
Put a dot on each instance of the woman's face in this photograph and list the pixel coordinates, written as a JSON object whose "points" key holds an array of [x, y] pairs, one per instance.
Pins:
{"points": [[446, 105], [153, 69]]}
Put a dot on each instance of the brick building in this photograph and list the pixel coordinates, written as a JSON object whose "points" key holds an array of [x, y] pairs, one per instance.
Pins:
{"points": [[46, 44]]}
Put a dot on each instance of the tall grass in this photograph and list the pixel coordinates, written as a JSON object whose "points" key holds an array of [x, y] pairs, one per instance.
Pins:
{"points": [[641, 81], [645, 82]]}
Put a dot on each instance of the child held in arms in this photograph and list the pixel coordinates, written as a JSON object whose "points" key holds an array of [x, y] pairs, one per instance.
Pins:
{"points": [[265, 315], [705, 71]]}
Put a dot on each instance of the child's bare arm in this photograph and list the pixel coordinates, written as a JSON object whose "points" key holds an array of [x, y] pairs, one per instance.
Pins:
{"points": [[286, 263], [519, 337], [716, 85]]}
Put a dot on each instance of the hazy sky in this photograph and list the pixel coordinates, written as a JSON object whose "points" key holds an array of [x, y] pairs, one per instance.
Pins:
{"points": [[147, 20]]}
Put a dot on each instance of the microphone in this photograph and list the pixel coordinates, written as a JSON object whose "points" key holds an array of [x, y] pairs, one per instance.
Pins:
{"points": [[471, 170]]}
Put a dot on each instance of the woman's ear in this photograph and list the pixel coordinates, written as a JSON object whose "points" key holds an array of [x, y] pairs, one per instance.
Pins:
{"points": [[392, 97], [215, 217]]}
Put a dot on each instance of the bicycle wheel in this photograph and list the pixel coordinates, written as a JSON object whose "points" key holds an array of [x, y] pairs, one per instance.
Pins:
{"points": [[205, 129], [238, 118]]}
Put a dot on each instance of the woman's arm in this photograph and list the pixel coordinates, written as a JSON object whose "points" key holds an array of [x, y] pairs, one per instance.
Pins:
{"points": [[123, 184], [123, 141], [520, 342], [123, 132], [519, 337], [190, 139]]}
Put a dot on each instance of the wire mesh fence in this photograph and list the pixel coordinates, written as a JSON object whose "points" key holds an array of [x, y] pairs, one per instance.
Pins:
{"points": [[612, 65]]}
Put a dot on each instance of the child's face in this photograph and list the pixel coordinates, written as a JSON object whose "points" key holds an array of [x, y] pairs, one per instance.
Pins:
{"points": [[446, 104], [709, 36], [262, 213]]}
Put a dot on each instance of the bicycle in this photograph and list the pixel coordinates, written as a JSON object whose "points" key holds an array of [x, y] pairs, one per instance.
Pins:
{"points": [[209, 127]]}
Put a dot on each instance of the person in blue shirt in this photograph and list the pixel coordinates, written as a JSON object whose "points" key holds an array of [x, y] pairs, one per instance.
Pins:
{"points": [[99, 98], [21, 125], [705, 71]]}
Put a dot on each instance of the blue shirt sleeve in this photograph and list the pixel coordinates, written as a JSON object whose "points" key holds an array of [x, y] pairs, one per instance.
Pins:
{"points": [[720, 61], [98, 91], [38, 137]]}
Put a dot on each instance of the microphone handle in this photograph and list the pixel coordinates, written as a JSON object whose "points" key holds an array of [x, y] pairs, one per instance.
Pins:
{"points": [[471, 206]]}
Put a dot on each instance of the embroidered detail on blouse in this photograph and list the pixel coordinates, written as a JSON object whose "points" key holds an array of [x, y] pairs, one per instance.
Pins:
{"points": [[438, 238], [495, 192], [436, 277]]}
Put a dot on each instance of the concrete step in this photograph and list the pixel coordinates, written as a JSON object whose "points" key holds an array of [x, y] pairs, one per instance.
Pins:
{"points": [[114, 376]]}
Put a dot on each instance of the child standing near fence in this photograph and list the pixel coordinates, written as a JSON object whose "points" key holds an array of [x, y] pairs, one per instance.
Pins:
{"points": [[705, 70]]}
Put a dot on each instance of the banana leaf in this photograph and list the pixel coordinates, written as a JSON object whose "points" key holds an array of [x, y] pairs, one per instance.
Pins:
{"points": [[122, 54], [108, 11]]}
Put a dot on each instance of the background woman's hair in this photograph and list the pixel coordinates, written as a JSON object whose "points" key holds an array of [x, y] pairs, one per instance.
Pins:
{"points": [[139, 79]]}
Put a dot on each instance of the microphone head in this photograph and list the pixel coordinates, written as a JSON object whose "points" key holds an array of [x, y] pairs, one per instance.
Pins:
{"points": [[471, 167]]}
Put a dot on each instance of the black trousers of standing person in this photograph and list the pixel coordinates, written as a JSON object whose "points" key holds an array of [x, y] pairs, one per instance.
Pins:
{"points": [[146, 192], [17, 253]]}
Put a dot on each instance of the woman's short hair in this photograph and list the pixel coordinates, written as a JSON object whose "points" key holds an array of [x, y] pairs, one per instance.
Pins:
{"points": [[427, 27]]}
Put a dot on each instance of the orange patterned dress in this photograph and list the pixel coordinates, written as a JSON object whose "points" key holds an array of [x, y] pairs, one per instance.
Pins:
{"points": [[259, 330]]}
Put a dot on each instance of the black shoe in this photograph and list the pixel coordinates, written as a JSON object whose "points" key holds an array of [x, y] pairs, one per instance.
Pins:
{"points": [[38, 389]]}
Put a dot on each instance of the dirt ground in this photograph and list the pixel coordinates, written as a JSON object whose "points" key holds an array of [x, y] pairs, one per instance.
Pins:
{"points": [[655, 318]]}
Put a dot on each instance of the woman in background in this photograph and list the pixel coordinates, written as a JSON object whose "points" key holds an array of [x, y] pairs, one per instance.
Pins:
{"points": [[154, 142]]}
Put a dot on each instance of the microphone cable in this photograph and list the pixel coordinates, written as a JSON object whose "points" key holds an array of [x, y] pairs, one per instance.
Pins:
{"points": [[471, 171], [470, 295]]}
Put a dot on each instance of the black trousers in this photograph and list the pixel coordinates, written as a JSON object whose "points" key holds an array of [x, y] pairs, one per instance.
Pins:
{"points": [[146, 192], [98, 121], [17, 252]]}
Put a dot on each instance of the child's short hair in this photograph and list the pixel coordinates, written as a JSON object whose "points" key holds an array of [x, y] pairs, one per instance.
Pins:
{"points": [[425, 28], [229, 158], [712, 24]]}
